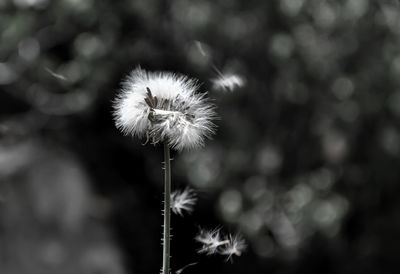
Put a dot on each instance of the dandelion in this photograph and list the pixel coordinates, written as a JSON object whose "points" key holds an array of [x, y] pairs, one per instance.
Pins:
{"points": [[183, 200], [164, 107], [228, 82]]}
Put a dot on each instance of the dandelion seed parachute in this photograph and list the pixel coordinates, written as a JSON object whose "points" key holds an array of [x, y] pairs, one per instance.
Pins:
{"points": [[164, 107], [183, 200], [214, 243], [235, 246], [228, 82], [210, 240]]}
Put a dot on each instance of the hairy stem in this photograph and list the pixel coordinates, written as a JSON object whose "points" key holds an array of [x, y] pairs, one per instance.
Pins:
{"points": [[167, 210]]}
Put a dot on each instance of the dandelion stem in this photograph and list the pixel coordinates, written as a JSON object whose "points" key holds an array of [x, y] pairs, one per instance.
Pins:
{"points": [[167, 210]]}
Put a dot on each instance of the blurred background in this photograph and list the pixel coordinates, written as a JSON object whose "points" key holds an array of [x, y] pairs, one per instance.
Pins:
{"points": [[304, 163]]}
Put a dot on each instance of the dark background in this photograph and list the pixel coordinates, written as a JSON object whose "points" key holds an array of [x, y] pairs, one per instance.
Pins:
{"points": [[304, 163]]}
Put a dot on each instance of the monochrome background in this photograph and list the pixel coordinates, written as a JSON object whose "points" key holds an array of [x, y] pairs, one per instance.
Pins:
{"points": [[305, 162]]}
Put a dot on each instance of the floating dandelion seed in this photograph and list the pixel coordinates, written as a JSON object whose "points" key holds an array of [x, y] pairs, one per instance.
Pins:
{"points": [[202, 48], [183, 200], [179, 271], [164, 107], [56, 75], [228, 82], [211, 240], [214, 243], [235, 246]]}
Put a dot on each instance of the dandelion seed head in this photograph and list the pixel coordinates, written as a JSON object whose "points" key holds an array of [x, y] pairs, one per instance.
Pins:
{"points": [[228, 82], [183, 200], [164, 107]]}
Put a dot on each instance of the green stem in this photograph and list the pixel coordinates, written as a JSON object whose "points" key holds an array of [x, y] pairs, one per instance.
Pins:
{"points": [[167, 210]]}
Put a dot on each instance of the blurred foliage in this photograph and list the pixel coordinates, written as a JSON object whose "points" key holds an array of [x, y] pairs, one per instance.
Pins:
{"points": [[305, 161]]}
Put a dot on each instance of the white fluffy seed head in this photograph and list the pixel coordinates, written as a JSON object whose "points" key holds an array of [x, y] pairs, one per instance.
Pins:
{"points": [[183, 200], [164, 107]]}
